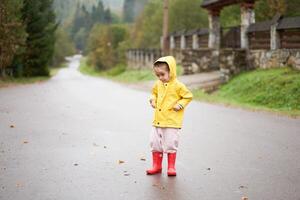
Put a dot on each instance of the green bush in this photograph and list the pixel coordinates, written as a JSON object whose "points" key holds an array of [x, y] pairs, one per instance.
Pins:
{"points": [[119, 69]]}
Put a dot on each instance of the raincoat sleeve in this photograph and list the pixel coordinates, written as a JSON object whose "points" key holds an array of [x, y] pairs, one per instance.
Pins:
{"points": [[186, 96], [153, 96]]}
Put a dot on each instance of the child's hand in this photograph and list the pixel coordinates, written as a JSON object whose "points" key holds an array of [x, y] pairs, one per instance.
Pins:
{"points": [[176, 108], [152, 103]]}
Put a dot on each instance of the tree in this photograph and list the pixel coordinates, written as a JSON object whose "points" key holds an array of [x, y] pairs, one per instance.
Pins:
{"points": [[104, 50], [40, 27], [231, 16], [182, 15], [128, 10], [148, 27], [100, 48], [98, 13], [12, 34], [267, 9], [85, 20], [63, 46], [80, 39], [132, 8], [107, 16], [187, 15], [292, 8]]}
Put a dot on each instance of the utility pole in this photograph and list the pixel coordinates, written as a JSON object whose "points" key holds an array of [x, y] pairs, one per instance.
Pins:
{"points": [[165, 28]]}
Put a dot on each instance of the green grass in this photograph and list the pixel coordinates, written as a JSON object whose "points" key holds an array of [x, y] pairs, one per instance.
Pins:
{"points": [[54, 70], [16, 81], [8, 81], [118, 73], [276, 90], [179, 70]]}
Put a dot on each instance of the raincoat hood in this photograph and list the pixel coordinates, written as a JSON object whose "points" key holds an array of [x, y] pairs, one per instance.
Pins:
{"points": [[170, 60]]}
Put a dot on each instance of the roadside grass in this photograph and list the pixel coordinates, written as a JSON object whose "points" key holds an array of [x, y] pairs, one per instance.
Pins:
{"points": [[9, 81], [22, 80], [54, 70], [273, 90]]}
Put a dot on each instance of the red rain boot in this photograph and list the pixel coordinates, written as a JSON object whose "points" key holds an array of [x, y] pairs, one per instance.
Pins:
{"points": [[157, 160], [171, 164]]}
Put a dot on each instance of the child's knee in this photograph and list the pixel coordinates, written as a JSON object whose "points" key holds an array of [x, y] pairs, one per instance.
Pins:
{"points": [[171, 146]]}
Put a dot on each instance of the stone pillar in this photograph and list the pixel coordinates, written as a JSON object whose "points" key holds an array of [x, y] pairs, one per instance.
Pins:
{"points": [[247, 18], [182, 42], [172, 42], [275, 37], [195, 42], [214, 39]]}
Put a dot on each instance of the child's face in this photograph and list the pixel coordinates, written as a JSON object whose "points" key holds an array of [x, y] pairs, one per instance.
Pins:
{"points": [[162, 74]]}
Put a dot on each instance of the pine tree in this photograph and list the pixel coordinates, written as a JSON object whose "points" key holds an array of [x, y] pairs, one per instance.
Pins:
{"points": [[107, 16], [40, 23], [78, 21], [86, 18], [12, 34], [98, 13], [82, 24], [128, 10]]}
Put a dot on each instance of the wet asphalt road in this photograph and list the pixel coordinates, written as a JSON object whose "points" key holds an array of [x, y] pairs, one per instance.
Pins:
{"points": [[69, 134]]}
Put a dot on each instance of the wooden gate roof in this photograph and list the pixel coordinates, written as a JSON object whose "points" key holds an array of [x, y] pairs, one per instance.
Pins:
{"points": [[283, 23], [210, 4]]}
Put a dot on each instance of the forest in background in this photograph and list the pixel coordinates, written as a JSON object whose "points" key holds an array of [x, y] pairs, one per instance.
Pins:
{"points": [[101, 29]]}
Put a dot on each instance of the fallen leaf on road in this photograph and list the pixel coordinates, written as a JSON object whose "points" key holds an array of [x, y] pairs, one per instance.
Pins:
{"points": [[143, 159], [19, 184], [160, 187], [121, 161]]}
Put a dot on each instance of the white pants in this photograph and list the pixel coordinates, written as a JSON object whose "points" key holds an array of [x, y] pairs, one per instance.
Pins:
{"points": [[164, 139]]}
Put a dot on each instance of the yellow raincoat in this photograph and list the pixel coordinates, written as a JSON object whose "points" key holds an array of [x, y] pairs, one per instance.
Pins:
{"points": [[167, 95]]}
